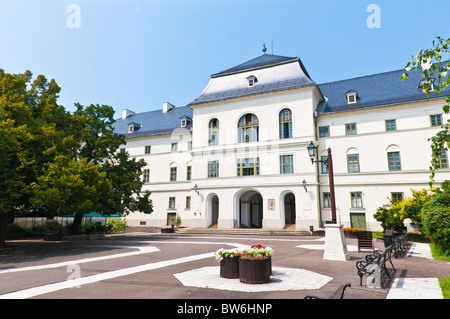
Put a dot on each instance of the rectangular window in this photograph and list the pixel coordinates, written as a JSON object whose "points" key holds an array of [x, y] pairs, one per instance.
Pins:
{"points": [[394, 161], [444, 160], [356, 199], [353, 163], [148, 149], [146, 177], [286, 164], [173, 174], [391, 125], [171, 202], [188, 202], [324, 164], [326, 200], [174, 147], [248, 166], [188, 173], [213, 169], [436, 120], [350, 129], [396, 197], [324, 131]]}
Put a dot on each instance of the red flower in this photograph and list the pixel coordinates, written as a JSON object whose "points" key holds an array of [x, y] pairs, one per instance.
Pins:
{"points": [[258, 246]]}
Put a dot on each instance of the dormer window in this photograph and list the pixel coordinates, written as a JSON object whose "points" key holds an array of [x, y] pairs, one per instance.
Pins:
{"points": [[427, 85], [252, 80], [185, 121], [351, 97], [133, 126]]}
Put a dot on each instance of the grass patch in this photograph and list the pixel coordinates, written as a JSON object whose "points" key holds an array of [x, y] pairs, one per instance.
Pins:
{"points": [[445, 286], [445, 281]]}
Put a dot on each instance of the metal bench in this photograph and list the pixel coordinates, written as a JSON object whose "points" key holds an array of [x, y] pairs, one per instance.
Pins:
{"points": [[338, 294], [374, 264], [365, 240], [401, 245]]}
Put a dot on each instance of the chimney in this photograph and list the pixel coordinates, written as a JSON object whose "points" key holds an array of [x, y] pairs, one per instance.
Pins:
{"points": [[167, 107], [126, 113]]}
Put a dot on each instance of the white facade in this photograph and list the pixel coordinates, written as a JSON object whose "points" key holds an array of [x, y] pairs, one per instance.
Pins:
{"points": [[213, 185]]}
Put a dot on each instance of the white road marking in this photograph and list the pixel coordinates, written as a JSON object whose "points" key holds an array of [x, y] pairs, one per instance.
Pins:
{"points": [[36, 291], [142, 250]]}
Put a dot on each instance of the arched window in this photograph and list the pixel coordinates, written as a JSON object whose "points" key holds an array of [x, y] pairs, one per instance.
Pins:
{"points": [[213, 137], [248, 128], [285, 123]]}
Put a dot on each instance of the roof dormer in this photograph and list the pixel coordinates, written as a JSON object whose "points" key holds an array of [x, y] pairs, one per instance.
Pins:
{"points": [[133, 126], [425, 84], [251, 80], [186, 121], [351, 96]]}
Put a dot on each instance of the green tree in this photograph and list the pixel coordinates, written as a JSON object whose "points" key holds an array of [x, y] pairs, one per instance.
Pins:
{"points": [[392, 215], [31, 133], [436, 218], [70, 185], [435, 65], [125, 176], [58, 162], [92, 128]]}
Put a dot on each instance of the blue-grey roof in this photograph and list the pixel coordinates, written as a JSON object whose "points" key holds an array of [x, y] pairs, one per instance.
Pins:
{"points": [[264, 61], [373, 90], [153, 122], [257, 89]]}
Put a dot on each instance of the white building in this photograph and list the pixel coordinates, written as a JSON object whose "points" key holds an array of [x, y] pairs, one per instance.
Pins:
{"points": [[236, 156]]}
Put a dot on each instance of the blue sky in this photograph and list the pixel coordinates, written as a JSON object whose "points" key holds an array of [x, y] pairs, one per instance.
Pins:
{"points": [[137, 54]]}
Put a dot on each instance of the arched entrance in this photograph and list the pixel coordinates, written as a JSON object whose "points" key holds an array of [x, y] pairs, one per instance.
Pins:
{"points": [[249, 209], [212, 210], [289, 210]]}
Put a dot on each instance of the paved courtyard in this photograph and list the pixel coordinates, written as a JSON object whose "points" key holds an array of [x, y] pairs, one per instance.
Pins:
{"points": [[183, 267]]}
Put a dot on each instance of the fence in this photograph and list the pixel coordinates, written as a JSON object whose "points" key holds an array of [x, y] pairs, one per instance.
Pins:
{"points": [[30, 222]]}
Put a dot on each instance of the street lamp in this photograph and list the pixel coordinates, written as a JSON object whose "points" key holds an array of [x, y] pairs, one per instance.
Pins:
{"points": [[312, 150]]}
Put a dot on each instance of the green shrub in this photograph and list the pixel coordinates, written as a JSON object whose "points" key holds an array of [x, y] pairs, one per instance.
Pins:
{"points": [[436, 225], [115, 225]]}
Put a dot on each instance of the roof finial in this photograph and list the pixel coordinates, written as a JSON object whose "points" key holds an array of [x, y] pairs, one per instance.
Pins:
{"points": [[264, 49]]}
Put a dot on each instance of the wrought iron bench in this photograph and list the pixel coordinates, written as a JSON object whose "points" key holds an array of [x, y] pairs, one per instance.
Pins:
{"points": [[401, 245], [338, 294], [373, 263]]}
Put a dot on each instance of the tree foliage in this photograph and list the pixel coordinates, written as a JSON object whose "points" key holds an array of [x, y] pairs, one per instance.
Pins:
{"points": [[435, 65], [57, 162]]}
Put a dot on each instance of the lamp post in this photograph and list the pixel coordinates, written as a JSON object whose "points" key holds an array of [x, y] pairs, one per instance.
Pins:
{"points": [[335, 244], [312, 149]]}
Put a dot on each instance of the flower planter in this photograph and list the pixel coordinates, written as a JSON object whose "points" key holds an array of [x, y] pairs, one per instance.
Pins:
{"points": [[168, 230], [255, 270], [229, 267], [350, 234]]}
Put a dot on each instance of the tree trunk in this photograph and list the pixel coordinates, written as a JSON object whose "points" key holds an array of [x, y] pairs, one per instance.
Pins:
{"points": [[75, 229], [4, 221]]}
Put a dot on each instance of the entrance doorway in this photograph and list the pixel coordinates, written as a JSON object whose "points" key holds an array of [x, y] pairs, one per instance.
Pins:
{"points": [[289, 210], [250, 209], [213, 210]]}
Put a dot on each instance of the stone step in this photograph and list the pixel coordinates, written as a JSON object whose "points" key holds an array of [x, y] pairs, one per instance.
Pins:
{"points": [[243, 231]]}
